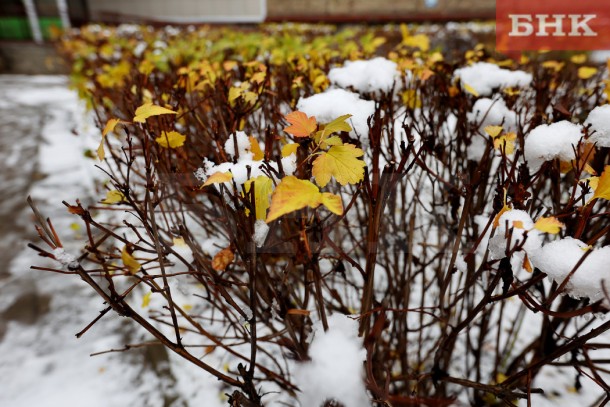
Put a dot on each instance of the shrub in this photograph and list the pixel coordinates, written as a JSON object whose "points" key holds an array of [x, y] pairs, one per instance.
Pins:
{"points": [[250, 208]]}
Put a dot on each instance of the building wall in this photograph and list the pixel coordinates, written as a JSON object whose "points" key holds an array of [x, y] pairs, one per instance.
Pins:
{"points": [[379, 10], [177, 11]]}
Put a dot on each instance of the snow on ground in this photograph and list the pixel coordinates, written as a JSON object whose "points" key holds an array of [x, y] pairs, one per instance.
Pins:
{"points": [[42, 363]]}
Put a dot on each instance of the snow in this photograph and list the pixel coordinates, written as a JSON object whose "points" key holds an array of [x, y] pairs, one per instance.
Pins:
{"points": [[488, 112], [557, 259], [521, 227], [243, 146], [374, 75], [599, 120], [260, 232], [335, 370], [484, 77], [523, 230], [332, 103], [550, 141]]}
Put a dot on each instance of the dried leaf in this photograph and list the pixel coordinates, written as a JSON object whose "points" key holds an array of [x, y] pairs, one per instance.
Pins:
{"points": [[300, 124], [341, 162], [171, 139], [147, 110], [222, 259]]}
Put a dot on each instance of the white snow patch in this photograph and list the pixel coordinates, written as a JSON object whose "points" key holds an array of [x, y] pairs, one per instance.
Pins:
{"points": [[374, 75], [260, 232], [557, 259], [489, 112], [484, 77], [336, 367], [332, 103], [599, 119], [547, 142]]}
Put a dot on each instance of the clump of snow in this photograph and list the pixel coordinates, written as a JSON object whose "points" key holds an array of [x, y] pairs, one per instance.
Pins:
{"points": [[558, 259], [521, 223], [260, 232], [243, 146], [489, 112], [484, 77], [335, 371], [66, 259], [332, 103], [599, 119], [374, 75], [547, 142]]}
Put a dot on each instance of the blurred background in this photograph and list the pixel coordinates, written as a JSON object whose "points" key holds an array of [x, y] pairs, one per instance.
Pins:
{"points": [[27, 25]]}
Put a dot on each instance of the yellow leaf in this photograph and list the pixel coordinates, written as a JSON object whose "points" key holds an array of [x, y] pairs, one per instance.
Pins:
{"points": [[549, 225], [331, 141], [218, 178], [555, 65], [179, 242], [129, 261], [234, 93], [493, 131], [146, 299], [113, 197], [300, 124], [110, 125], [411, 99], [420, 41], [333, 203], [258, 77], [518, 224], [171, 139], [470, 89], [222, 259], [337, 125], [579, 59], [101, 154], [292, 194], [586, 72], [256, 149], [506, 142], [263, 187], [603, 185], [147, 110], [340, 162], [289, 149]]}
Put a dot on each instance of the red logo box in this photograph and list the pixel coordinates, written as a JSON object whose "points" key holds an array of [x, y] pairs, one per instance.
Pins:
{"points": [[535, 25]]}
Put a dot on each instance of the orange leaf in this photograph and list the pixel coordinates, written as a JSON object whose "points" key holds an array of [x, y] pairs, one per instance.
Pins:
{"points": [[222, 259], [296, 311], [301, 125]]}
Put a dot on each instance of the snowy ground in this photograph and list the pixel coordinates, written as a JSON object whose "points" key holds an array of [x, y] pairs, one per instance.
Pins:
{"points": [[42, 363]]}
